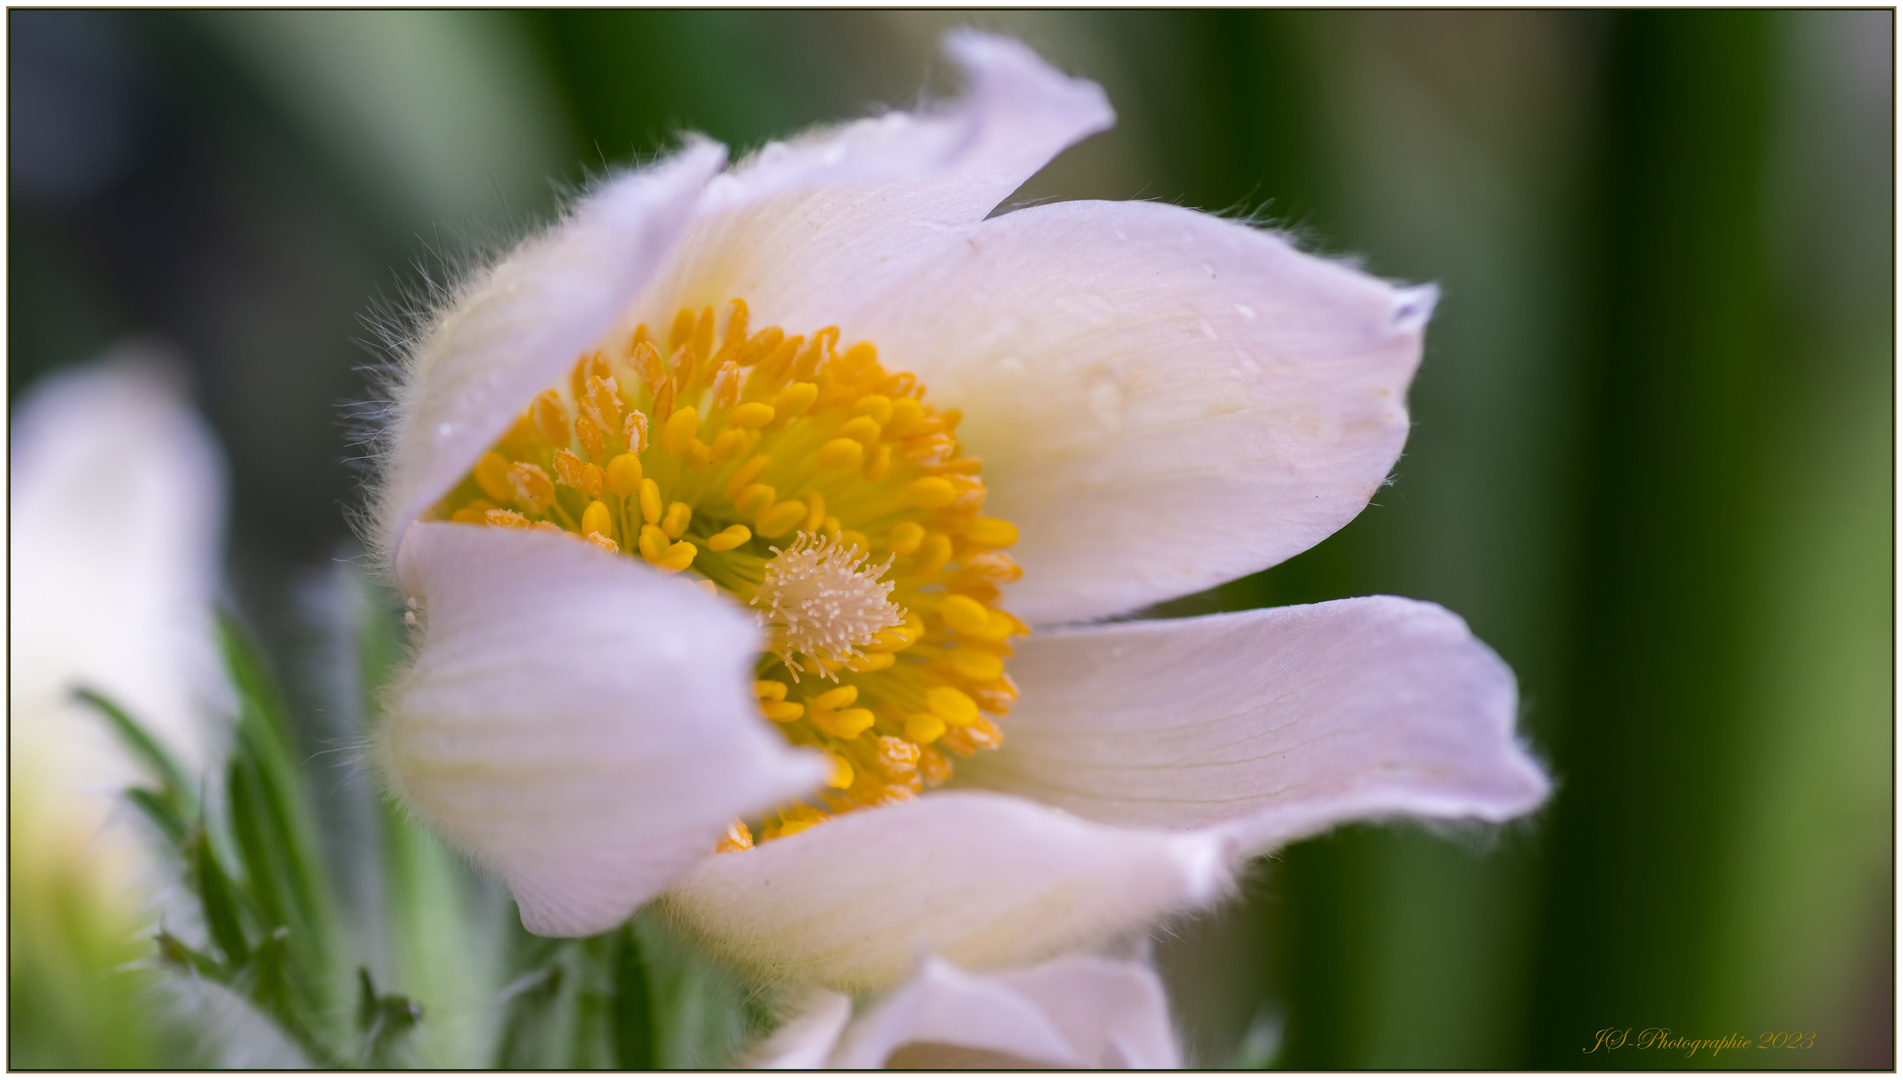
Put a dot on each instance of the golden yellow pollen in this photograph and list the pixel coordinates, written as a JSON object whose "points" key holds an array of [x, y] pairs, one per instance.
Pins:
{"points": [[813, 486], [624, 475]]}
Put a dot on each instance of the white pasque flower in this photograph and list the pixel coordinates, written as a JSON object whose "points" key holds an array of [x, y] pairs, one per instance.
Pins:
{"points": [[116, 520], [1080, 1012], [1139, 401]]}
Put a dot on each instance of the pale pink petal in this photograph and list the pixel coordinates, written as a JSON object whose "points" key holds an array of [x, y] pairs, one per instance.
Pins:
{"points": [[1163, 400], [117, 512], [1267, 725], [984, 880], [804, 230], [117, 515], [577, 721], [516, 328], [1076, 1013]]}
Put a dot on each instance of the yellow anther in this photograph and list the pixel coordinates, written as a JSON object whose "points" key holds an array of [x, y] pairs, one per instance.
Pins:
{"points": [[653, 543], [1002, 626], [779, 519], [647, 360], [905, 537], [736, 320], [965, 615], [782, 712], [683, 330], [676, 520], [842, 773], [931, 492], [727, 385], [728, 443], [841, 454], [597, 519], [906, 416], [602, 405], [924, 728], [738, 838], [836, 699], [897, 757], [933, 554], [747, 474], [623, 475], [860, 429], [754, 498], [932, 765], [769, 690], [678, 558], [522, 440], [992, 566], [876, 406], [872, 661], [533, 489], [972, 664], [951, 705], [699, 455], [678, 435], [853, 538], [469, 515], [651, 509], [505, 519], [815, 511], [881, 463], [830, 526], [492, 476], [584, 476], [704, 334], [635, 429], [846, 723], [729, 538], [594, 444], [893, 638], [604, 542], [798, 818], [991, 532], [795, 399], [753, 414], [550, 417]]}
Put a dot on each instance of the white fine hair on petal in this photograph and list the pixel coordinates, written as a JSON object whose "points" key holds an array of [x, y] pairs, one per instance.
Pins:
{"points": [[512, 329]]}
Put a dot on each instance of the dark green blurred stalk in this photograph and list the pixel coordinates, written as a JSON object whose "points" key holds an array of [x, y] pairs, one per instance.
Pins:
{"points": [[1674, 504]]}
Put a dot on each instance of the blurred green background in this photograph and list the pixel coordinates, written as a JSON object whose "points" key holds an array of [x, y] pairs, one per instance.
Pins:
{"points": [[1651, 462]]}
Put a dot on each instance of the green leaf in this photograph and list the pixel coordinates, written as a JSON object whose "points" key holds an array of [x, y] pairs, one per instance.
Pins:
{"points": [[276, 835], [173, 784], [529, 1008], [634, 1004], [161, 812], [271, 983], [220, 903], [174, 951], [384, 1020]]}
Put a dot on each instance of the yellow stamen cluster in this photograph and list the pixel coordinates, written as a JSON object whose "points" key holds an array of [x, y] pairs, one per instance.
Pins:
{"points": [[813, 486]]}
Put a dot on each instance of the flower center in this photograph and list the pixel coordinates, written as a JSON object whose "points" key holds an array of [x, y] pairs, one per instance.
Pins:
{"points": [[811, 485]]}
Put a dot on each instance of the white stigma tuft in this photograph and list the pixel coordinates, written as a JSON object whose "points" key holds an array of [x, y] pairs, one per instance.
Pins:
{"points": [[824, 601]]}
